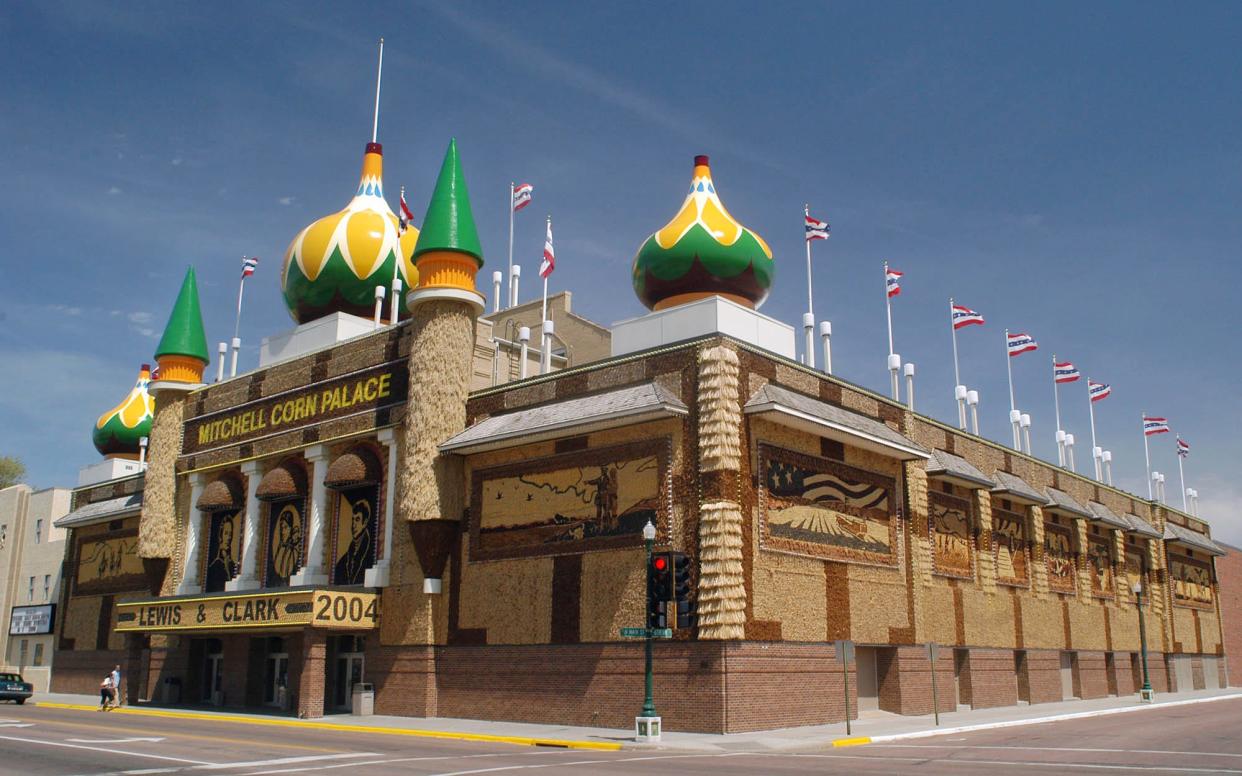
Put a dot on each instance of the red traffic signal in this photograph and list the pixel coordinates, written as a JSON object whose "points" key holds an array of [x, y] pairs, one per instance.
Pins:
{"points": [[659, 563]]}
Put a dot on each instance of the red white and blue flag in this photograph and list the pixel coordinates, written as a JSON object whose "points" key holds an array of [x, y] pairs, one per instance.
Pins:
{"points": [[405, 216], [964, 316], [549, 256], [1064, 372], [1020, 343], [1097, 391], [1152, 426], [892, 279], [522, 195], [249, 265], [1183, 449], [816, 230]]}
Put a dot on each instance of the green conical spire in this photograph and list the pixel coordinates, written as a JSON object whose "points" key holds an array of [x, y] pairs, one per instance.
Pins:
{"points": [[184, 334], [449, 224]]}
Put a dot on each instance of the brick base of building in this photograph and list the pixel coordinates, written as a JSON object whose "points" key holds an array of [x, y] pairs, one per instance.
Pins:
{"points": [[1090, 675], [1039, 676]]}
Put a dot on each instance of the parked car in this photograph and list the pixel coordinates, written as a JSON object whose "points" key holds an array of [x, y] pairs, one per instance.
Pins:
{"points": [[14, 688]]}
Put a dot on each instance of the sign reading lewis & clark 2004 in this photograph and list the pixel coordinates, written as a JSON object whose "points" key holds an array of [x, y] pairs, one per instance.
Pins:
{"points": [[333, 609], [381, 386]]}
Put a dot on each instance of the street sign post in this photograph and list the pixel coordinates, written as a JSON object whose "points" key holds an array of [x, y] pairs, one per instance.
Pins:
{"points": [[642, 633], [845, 653], [931, 656]]}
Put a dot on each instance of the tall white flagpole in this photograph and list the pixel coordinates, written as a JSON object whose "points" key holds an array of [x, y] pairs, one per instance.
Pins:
{"points": [[888, 308], [1146, 454], [1095, 451], [1013, 405], [1056, 402], [1181, 473], [808, 321], [512, 298], [959, 390]]}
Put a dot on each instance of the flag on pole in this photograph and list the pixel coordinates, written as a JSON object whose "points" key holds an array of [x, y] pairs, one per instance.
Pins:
{"points": [[405, 216], [1183, 449], [1065, 372], [249, 265], [816, 230], [1098, 391], [1152, 426], [964, 316], [549, 256], [1021, 343], [522, 195], [892, 279]]}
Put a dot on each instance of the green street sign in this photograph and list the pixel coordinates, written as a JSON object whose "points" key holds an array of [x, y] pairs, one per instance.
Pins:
{"points": [[642, 633], [662, 633]]}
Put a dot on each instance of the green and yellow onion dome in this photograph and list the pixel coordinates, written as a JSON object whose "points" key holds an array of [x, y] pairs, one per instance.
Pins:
{"points": [[702, 252], [334, 264], [118, 431]]}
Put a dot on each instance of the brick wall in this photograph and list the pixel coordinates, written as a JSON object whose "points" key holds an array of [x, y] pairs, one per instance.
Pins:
{"points": [[774, 685], [905, 680], [989, 674], [1229, 572], [1039, 676], [1196, 671], [81, 671], [310, 679], [404, 679], [1123, 673], [1090, 675]]}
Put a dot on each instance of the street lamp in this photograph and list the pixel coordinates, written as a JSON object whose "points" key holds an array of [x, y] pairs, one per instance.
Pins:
{"points": [[647, 726], [1145, 694]]}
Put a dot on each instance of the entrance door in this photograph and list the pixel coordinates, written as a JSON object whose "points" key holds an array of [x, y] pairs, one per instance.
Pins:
{"points": [[1067, 676], [868, 682], [213, 679], [276, 680], [349, 671]]}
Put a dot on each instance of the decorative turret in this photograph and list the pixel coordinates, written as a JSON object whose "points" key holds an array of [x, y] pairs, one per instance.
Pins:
{"points": [[702, 252], [334, 264], [448, 255], [118, 431], [182, 352]]}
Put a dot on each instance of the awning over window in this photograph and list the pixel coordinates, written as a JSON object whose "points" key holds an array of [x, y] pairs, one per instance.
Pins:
{"points": [[621, 407], [287, 480], [1064, 502], [1013, 487], [102, 511], [1105, 516], [1141, 527], [221, 495], [357, 467], [783, 406], [956, 469], [1182, 535]]}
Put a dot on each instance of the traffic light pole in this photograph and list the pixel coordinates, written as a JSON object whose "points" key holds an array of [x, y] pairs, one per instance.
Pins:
{"points": [[649, 709]]}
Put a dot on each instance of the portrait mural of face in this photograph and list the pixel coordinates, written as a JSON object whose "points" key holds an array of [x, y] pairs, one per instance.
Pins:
{"points": [[223, 549], [1101, 564], [357, 525], [590, 499], [1009, 538], [285, 530], [1059, 555], [826, 508], [951, 535]]}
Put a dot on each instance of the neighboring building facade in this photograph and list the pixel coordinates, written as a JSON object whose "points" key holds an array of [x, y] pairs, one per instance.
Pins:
{"points": [[1229, 569], [383, 510], [32, 550]]}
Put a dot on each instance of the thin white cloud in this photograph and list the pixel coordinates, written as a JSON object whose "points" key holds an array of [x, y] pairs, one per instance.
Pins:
{"points": [[286, 200], [112, 192]]}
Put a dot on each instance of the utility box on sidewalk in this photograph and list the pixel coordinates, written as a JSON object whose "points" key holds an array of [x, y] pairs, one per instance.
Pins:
{"points": [[362, 703]]}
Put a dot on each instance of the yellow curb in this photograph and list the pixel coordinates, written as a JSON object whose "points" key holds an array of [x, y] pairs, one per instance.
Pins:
{"points": [[856, 741], [521, 740]]}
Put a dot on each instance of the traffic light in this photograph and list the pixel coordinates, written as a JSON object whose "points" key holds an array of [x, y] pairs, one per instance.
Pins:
{"points": [[659, 590], [683, 590]]}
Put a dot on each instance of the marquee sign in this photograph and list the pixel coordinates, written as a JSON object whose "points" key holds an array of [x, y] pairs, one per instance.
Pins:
{"points": [[32, 620], [366, 390], [331, 609]]}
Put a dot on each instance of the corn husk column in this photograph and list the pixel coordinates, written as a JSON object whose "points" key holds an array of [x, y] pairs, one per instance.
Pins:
{"points": [[182, 356], [722, 588], [444, 306]]}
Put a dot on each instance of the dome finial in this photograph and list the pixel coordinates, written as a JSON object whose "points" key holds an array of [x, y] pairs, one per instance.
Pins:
{"points": [[448, 254], [702, 252], [182, 352], [118, 433]]}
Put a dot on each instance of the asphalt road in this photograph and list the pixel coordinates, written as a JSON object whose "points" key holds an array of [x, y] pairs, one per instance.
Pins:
{"points": [[1196, 739]]}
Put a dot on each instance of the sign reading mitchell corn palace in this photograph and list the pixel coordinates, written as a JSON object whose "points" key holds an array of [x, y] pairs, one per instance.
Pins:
{"points": [[357, 515]]}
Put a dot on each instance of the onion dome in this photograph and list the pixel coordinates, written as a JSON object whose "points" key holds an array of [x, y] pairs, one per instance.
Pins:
{"points": [[448, 254], [702, 252], [334, 264], [118, 431], [182, 352]]}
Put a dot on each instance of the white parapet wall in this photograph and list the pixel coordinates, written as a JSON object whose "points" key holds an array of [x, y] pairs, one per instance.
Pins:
{"points": [[713, 315], [312, 336]]}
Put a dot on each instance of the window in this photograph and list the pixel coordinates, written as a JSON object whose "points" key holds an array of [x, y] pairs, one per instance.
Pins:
{"points": [[47, 586], [38, 654], [30, 592], [38, 530]]}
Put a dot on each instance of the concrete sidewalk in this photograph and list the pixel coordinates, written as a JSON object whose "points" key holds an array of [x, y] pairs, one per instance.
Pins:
{"points": [[874, 726]]}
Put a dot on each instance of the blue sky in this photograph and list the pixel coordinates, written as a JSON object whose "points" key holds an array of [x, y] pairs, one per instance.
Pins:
{"points": [[1073, 172]]}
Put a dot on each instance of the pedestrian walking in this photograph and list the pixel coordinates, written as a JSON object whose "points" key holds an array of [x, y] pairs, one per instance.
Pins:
{"points": [[105, 692], [116, 686]]}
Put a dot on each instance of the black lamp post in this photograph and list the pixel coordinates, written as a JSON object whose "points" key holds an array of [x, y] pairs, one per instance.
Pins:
{"points": [[1145, 694]]}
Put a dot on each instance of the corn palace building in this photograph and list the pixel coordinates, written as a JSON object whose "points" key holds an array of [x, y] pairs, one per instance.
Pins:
{"points": [[410, 507]]}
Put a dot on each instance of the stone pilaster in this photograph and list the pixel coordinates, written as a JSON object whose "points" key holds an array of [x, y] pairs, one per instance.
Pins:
{"points": [[1084, 567], [987, 560], [1039, 564], [920, 552], [158, 525]]}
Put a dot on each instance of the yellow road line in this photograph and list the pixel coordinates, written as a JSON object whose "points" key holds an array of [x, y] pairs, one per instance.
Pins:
{"points": [[277, 722], [856, 741]]}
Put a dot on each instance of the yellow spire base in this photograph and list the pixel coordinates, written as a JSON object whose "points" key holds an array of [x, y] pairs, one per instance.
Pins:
{"points": [[181, 369]]}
